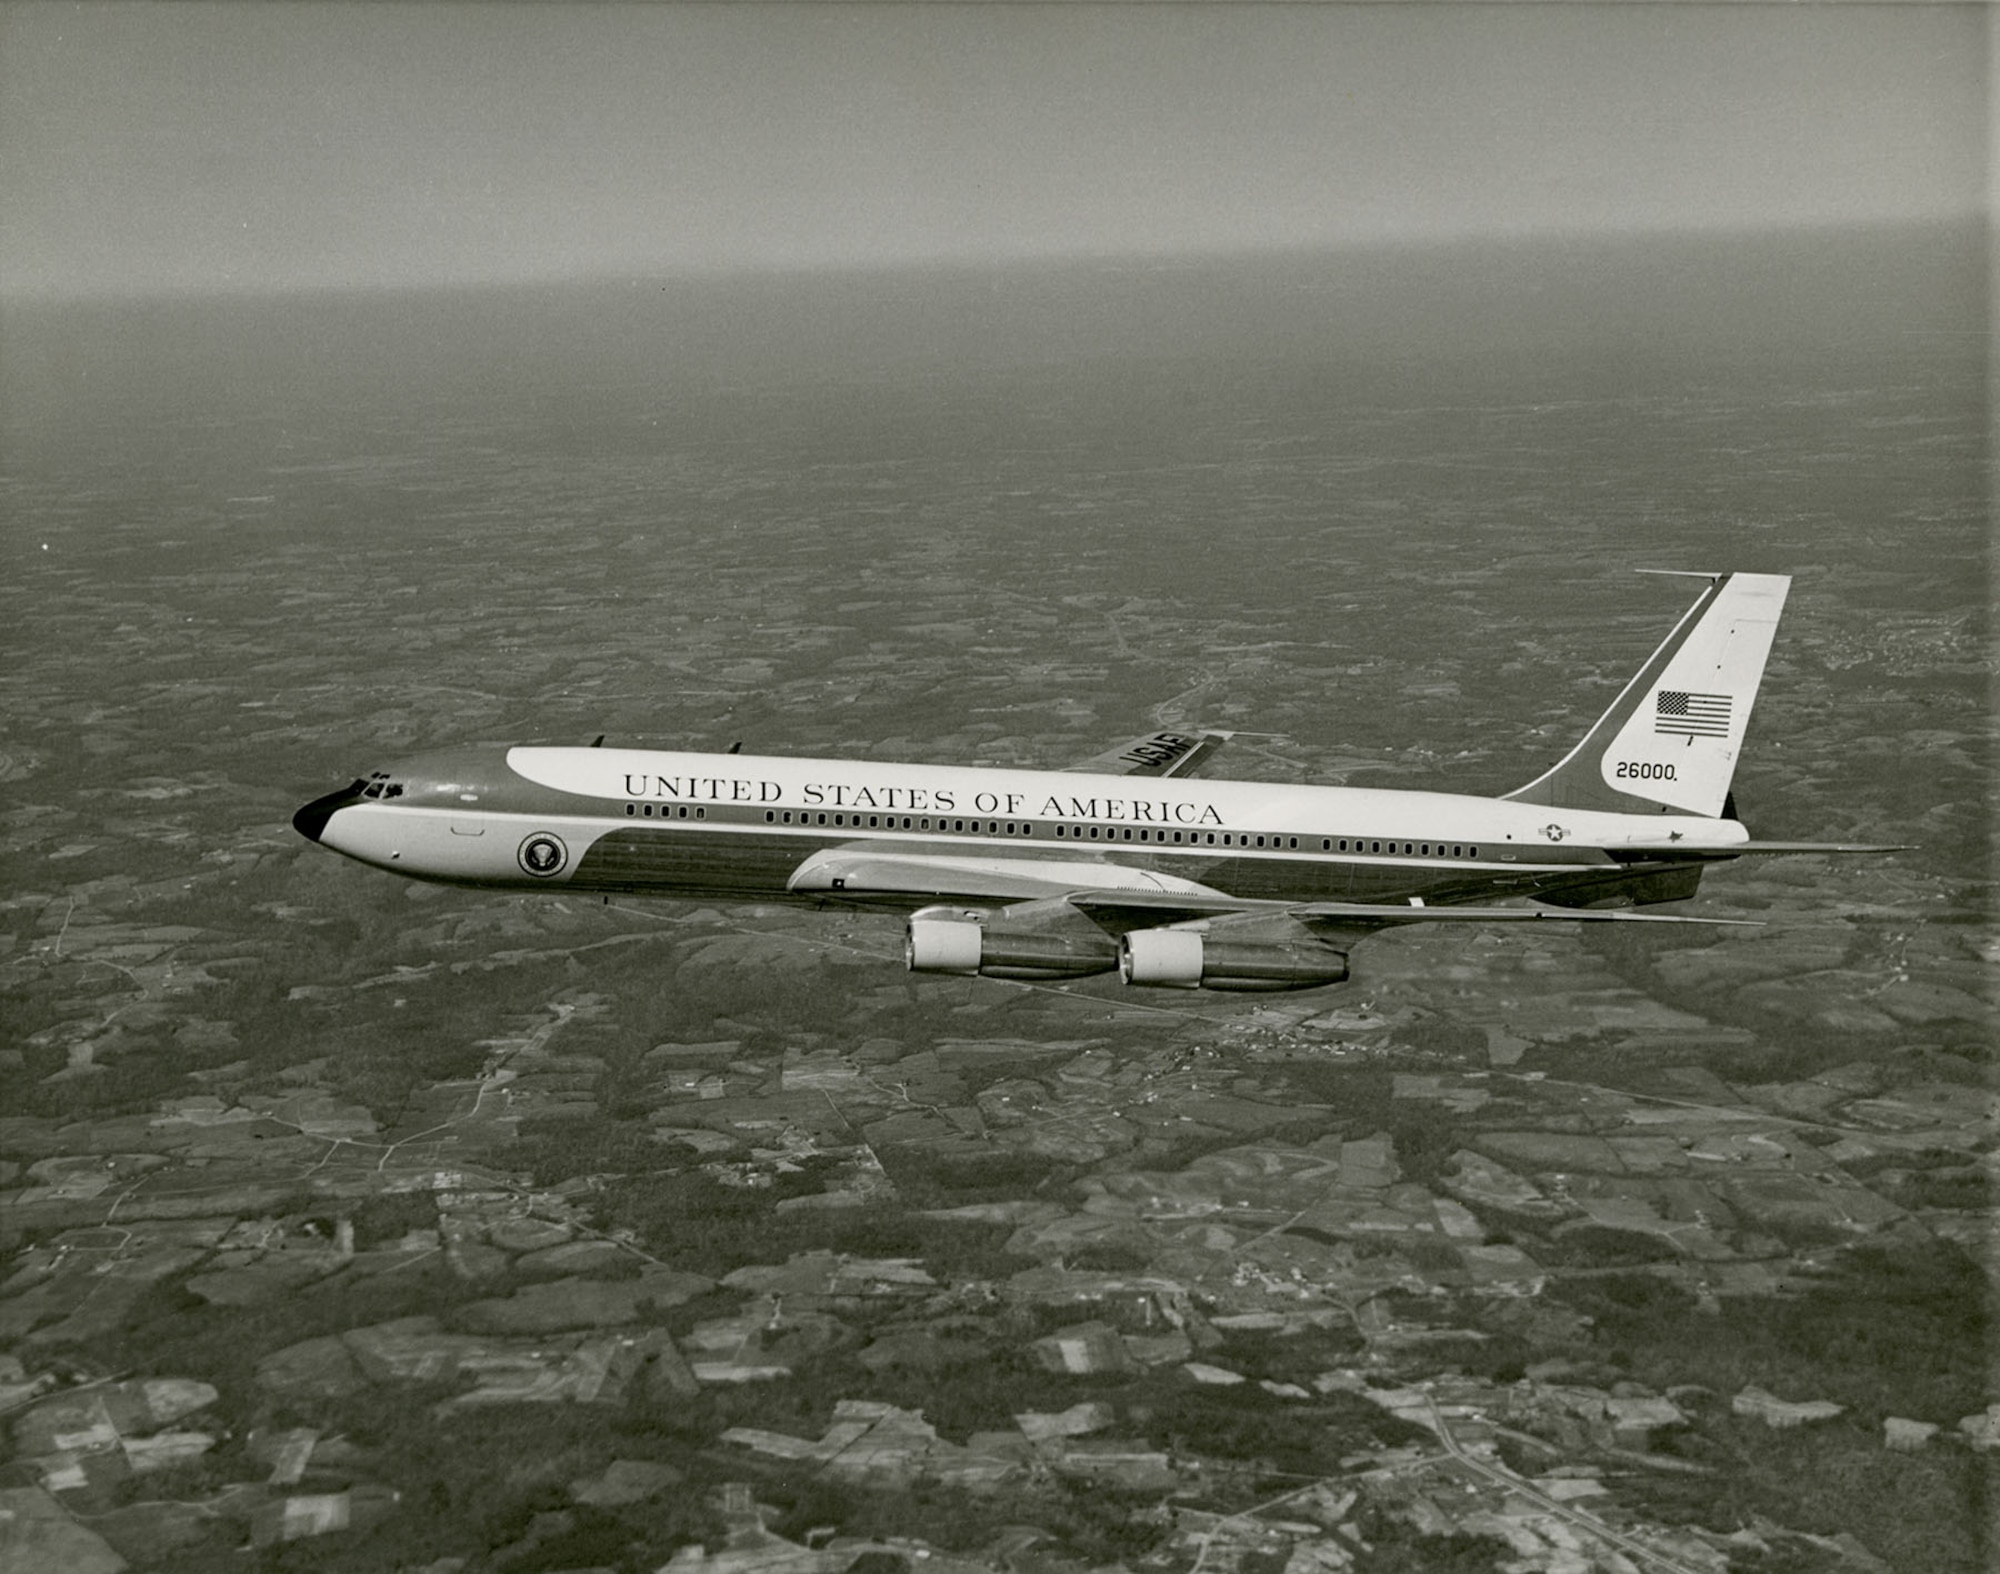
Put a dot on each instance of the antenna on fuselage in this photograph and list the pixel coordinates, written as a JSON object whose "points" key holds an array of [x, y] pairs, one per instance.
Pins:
{"points": [[736, 747], [598, 741]]}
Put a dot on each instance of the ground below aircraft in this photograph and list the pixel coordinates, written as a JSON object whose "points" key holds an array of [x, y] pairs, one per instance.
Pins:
{"points": [[1127, 861]]}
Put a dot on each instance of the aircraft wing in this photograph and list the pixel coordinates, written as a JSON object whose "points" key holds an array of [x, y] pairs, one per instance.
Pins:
{"points": [[1138, 898], [859, 873], [1155, 754]]}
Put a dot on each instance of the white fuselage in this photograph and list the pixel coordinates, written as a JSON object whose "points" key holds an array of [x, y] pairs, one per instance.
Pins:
{"points": [[745, 826]]}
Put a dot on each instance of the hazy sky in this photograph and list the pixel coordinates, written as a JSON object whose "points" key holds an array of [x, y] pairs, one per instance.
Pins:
{"points": [[252, 146]]}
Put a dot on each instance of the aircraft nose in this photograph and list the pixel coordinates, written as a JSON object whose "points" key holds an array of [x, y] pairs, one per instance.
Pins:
{"points": [[310, 821]]}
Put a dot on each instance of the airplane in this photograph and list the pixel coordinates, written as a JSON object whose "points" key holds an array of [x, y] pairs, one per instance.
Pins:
{"points": [[1127, 861]]}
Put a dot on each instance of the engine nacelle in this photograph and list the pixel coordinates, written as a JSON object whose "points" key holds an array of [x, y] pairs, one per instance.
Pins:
{"points": [[951, 940], [942, 945], [1190, 959], [1161, 958]]}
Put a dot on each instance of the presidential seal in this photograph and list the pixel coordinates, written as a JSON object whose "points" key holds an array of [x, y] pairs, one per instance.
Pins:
{"points": [[543, 854]]}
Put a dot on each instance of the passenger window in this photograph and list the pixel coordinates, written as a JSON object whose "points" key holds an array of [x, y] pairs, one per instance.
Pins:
{"points": [[631, 808]]}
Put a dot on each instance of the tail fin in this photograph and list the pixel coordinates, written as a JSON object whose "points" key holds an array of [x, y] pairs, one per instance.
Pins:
{"points": [[1669, 743]]}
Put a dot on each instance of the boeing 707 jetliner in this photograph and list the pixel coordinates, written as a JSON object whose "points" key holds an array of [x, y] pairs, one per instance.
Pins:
{"points": [[1129, 862]]}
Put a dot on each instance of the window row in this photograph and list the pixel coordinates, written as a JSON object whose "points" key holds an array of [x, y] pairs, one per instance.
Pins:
{"points": [[1327, 844], [1079, 833], [890, 822]]}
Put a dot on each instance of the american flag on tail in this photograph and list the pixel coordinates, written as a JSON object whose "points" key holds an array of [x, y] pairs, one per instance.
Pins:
{"points": [[1687, 715]]}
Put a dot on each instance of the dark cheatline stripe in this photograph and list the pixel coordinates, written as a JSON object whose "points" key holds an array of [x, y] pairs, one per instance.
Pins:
{"points": [[705, 863]]}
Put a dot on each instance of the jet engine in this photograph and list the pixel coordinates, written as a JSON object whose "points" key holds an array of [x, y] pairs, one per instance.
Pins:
{"points": [[962, 940], [1190, 958]]}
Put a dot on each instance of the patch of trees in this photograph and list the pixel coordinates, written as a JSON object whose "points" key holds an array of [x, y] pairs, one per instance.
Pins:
{"points": [[1398, 1547], [1093, 1525], [927, 1179], [1426, 1134], [1445, 1037], [1243, 1422], [695, 1222], [1969, 1189], [1288, 1358], [388, 1216], [171, 1332], [1599, 1246], [495, 1483], [1923, 1510], [1890, 1330], [553, 1151]]}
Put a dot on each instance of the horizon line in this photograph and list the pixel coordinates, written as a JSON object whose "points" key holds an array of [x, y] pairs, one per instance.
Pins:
{"points": [[1152, 260]]}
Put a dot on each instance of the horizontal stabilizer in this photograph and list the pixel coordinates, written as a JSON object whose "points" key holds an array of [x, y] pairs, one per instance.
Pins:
{"points": [[1372, 915], [1769, 849], [1824, 847]]}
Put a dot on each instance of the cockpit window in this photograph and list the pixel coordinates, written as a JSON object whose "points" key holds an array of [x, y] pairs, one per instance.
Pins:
{"points": [[379, 785]]}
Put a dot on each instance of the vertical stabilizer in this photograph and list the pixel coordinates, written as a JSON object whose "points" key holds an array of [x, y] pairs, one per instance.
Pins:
{"points": [[1670, 741]]}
